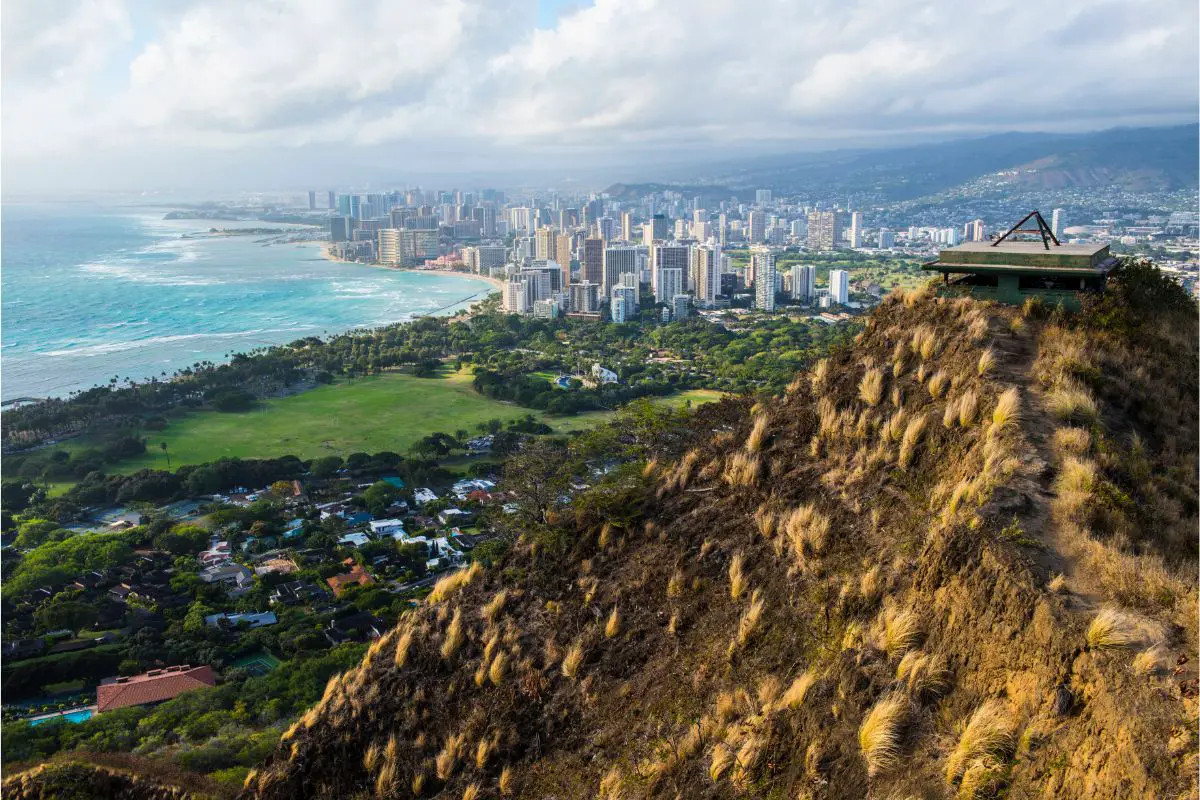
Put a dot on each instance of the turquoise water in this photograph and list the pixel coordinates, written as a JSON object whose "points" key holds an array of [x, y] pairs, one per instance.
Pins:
{"points": [[90, 294], [79, 715]]}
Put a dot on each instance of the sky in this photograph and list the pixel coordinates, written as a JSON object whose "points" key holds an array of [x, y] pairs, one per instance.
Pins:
{"points": [[232, 95]]}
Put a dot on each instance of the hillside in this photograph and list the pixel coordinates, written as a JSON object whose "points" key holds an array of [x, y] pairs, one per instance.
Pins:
{"points": [[954, 559], [1135, 159]]}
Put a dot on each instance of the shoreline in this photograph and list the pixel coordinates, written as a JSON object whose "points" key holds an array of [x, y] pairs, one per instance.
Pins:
{"points": [[328, 256]]}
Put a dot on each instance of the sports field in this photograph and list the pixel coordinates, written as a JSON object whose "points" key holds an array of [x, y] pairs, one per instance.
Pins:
{"points": [[368, 415]]}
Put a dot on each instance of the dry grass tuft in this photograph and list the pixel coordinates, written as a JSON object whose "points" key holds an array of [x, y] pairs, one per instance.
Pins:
{"points": [[820, 374], [472, 792], [1058, 584], [455, 636], [881, 732], [937, 384], [912, 437], [968, 409], [676, 584], [737, 576], [1072, 442], [613, 626], [950, 414], [1007, 410], [447, 760], [499, 668], [453, 582], [925, 674], [1073, 486], [495, 606], [990, 734], [793, 698], [743, 469], [507, 781], [720, 761], [604, 539], [769, 688], [403, 646], [901, 631], [612, 786], [870, 388], [757, 435], [572, 660], [1152, 661], [748, 624], [986, 363], [1113, 628], [1070, 402]]}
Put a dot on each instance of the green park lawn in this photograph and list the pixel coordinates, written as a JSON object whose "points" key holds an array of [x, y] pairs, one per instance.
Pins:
{"points": [[383, 412]]}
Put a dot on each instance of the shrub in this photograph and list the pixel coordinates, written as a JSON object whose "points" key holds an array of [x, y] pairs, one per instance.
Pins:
{"points": [[880, 734]]}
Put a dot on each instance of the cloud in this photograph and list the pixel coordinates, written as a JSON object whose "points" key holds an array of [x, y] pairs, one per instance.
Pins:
{"points": [[410, 82]]}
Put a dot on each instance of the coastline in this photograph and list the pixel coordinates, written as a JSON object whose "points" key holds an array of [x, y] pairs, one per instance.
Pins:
{"points": [[328, 256]]}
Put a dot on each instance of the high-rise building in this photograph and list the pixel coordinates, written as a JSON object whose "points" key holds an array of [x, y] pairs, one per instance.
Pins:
{"points": [[887, 239], [389, 246], [679, 306], [757, 226], [593, 261], [627, 226], [764, 279], [622, 305], [606, 228], [544, 244], [670, 283], [824, 230], [583, 297], [340, 229], [856, 230], [804, 281], [1057, 222], [545, 309], [490, 256], [974, 231], [332, 200], [660, 226], [839, 286], [516, 297], [705, 272], [540, 282], [667, 256], [762, 197], [562, 254], [312, 200], [618, 261]]}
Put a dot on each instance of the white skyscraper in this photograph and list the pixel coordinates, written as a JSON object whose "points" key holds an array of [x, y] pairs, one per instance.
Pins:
{"points": [[804, 279], [668, 256], [617, 261], [839, 286], [706, 273], [887, 239], [1057, 223], [762, 196], [763, 262], [670, 283], [623, 305]]}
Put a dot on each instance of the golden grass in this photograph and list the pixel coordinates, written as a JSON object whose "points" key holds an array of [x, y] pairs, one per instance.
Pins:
{"points": [[743, 469], [893, 429], [793, 698], [769, 688], [1113, 628], [455, 636], [901, 630], [508, 781], [1072, 442], [737, 576], [870, 585], [612, 786], [881, 732], [720, 761], [1070, 402], [1007, 411], [453, 582], [499, 668], [870, 388], [494, 606], [986, 363], [447, 759], [749, 621], [950, 414], [472, 792], [676, 584], [1152, 661], [937, 384], [613, 626], [923, 340], [765, 521], [968, 408], [573, 660], [925, 674], [1058, 584], [990, 733], [758, 434], [605, 537], [912, 437], [1073, 486], [820, 374]]}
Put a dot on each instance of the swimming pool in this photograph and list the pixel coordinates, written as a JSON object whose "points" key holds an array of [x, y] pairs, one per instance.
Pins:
{"points": [[78, 715]]}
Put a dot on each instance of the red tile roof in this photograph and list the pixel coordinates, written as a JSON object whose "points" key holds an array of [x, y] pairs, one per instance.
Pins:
{"points": [[357, 575], [152, 687]]}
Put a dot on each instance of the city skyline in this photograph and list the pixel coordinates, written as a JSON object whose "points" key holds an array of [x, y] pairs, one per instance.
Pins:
{"points": [[122, 94]]}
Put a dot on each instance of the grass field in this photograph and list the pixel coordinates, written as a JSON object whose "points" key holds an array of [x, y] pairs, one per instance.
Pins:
{"points": [[383, 412]]}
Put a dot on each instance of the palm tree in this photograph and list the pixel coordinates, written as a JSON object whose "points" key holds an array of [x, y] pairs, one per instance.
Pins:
{"points": [[168, 455]]}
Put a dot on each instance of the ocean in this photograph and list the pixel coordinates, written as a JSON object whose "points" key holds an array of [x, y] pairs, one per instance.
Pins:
{"points": [[90, 294]]}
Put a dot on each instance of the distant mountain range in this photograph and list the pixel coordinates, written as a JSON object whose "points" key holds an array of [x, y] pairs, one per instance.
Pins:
{"points": [[1135, 159]]}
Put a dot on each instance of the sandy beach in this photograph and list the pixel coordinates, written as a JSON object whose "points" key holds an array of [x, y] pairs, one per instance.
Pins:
{"points": [[496, 282]]}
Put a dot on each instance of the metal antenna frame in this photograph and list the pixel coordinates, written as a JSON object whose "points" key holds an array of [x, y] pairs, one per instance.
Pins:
{"points": [[1043, 230]]}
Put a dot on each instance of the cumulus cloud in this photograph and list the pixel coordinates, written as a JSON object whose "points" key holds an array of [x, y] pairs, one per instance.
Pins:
{"points": [[457, 78]]}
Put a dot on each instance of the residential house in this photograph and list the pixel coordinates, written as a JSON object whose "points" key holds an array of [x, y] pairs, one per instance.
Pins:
{"points": [[423, 496], [154, 686], [277, 564], [23, 648], [357, 575], [296, 592], [354, 539], [387, 527], [218, 553], [355, 628], [451, 515], [236, 578]]}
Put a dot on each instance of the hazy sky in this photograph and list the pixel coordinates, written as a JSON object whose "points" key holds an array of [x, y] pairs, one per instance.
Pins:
{"points": [[239, 94]]}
